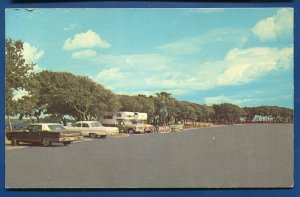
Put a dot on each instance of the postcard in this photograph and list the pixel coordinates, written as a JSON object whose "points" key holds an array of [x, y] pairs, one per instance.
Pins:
{"points": [[149, 98]]}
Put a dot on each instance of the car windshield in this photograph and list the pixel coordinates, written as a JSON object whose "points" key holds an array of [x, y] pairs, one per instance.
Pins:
{"points": [[56, 127], [96, 124]]}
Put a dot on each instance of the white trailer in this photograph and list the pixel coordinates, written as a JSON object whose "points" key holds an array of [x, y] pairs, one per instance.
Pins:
{"points": [[112, 119], [140, 116], [125, 115], [109, 120]]}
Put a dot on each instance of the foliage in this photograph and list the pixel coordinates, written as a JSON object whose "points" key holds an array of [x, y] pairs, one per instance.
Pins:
{"points": [[19, 77], [228, 113], [77, 96], [269, 114]]}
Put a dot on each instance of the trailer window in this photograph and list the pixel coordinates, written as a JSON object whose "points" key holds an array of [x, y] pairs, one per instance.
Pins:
{"points": [[108, 117]]}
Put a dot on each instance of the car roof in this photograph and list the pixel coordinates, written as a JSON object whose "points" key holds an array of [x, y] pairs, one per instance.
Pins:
{"points": [[45, 123]]}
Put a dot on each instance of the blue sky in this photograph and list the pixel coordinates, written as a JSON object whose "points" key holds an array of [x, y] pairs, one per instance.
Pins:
{"points": [[207, 56]]}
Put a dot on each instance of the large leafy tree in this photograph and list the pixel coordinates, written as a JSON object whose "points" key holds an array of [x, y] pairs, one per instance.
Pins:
{"points": [[165, 107], [269, 114], [130, 103], [185, 111], [63, 93], [19, 77], [228, 113]]}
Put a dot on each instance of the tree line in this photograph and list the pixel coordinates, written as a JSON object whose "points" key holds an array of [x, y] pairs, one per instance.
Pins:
{"points": [[63, 95]]}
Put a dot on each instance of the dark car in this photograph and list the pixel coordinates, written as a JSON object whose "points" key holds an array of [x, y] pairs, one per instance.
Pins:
{"points": [[44, 134]]}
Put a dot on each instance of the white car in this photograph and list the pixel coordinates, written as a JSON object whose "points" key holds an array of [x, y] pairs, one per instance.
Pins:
{"points": [[93, 129]]}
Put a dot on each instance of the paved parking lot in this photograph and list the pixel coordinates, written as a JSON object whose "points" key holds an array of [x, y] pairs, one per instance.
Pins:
{"points": [[229, 156]]}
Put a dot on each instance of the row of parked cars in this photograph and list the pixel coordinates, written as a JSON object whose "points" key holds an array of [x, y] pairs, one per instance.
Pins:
{"points": [[48, 133]]}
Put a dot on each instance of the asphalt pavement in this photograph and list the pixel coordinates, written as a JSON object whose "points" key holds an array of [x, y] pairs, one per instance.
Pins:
{"points": [[247, 156]]}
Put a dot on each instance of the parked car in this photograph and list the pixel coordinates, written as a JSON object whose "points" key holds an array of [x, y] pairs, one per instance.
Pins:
{"points": [[129, 127], [148, 128], [43, 133], [93, 129], [176, 127]]}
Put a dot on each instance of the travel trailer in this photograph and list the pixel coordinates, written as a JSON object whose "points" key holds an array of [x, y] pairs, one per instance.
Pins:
{"points": [[111, 119]]}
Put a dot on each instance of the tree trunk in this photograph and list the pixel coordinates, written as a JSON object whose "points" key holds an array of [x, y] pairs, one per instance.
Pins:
{"points": [[37, 118], [62, 119], [10, 124]]}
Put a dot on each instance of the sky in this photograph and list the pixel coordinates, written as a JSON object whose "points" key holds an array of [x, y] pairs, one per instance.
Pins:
{"points": [[207, 56]]}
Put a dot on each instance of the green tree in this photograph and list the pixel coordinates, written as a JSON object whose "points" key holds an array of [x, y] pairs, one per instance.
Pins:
{"points": [[130, 103], [63, 93], [186, 111], [165, 107], [19, 76], [228, 113]]}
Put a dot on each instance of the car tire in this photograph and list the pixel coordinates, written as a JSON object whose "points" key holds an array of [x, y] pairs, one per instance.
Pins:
{"points": [[46, 142], [93, 135], [130, 131], [66, 143], [102, 136]]}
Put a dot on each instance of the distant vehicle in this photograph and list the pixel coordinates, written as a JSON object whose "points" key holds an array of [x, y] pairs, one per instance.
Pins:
{"points": [[176, 127], [93, 129], [43, 133], [125, 115], [129, 127], [147, 127], [140, 116], [112, 119]]}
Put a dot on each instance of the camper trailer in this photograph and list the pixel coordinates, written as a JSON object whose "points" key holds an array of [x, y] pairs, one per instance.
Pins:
{"points": [[125, 115], [111, 119], [140, 116]]}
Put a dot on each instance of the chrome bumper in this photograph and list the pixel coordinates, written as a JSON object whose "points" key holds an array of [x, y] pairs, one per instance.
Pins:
{"points": [[70, 139]]}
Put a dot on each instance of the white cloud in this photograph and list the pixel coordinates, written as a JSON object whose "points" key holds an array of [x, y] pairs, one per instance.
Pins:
{"points": [[19, 94], [184, 46], [194, 44], [112, 74], [225, 99], [84, 54], [217, 100], [88, 39], [31, 53], [275, 27], [135, 62], [249, 64], [248, 100], [154, 72]]}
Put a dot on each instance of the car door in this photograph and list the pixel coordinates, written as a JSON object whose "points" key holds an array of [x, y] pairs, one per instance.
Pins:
{"points": [[36, 133], [25, 136], [85, 126]]}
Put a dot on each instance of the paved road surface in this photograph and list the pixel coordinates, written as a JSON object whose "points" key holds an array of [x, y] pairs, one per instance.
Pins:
{"points": [[228, 156]]}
